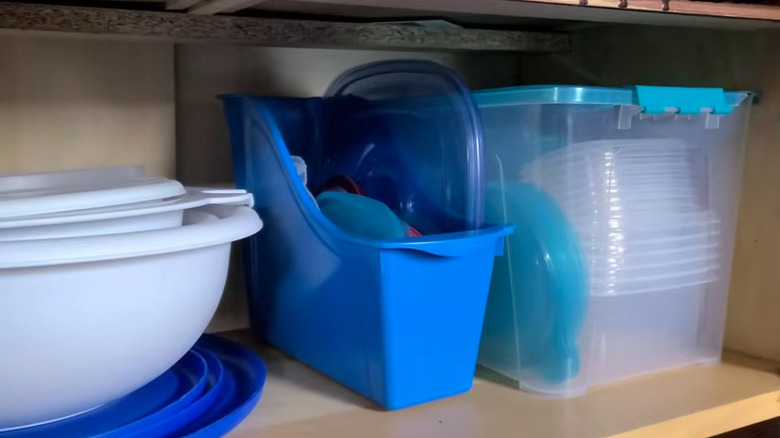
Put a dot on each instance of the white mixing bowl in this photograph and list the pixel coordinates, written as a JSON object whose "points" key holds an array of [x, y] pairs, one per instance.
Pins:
{"points": [[86, 320]]}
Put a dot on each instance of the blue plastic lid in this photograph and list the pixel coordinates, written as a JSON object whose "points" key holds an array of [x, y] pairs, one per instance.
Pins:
{"points": [[166, 395], [236, 376], [169, 425], [206, 394], [409, 133], [652, 99], [242, 387]]}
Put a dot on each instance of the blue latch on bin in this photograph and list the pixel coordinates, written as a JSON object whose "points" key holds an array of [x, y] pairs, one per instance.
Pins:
{"points": [[658, 100]]}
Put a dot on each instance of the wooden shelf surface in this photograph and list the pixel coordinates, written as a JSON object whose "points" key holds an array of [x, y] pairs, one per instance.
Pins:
{"points": [[358, 23], [718, 14], [689, 402], [706, 14], [17, 17], [702, 8]]}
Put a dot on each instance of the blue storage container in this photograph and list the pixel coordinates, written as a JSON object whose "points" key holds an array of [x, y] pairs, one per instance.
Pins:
{"points": [[397, 321]]}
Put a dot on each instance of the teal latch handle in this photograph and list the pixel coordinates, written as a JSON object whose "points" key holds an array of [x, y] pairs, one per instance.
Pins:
{"points": [[656, 100]]}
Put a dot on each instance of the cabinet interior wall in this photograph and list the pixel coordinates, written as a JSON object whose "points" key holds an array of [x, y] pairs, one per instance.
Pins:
{"points": [[67, 103]]}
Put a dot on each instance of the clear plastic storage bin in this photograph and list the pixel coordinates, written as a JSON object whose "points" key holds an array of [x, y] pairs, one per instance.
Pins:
{"points": [[625, 202]]}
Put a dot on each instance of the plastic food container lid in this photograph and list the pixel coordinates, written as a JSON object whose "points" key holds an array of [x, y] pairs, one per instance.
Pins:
{"points": [[409, 133], [203, 227], [206, 394], [56, 192], [167, 395], [545, 253], [193, 198], [714, 99]]}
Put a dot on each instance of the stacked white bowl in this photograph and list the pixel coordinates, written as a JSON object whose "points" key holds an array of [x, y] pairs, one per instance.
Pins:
{"points": [[639, 208], [108, 277]]}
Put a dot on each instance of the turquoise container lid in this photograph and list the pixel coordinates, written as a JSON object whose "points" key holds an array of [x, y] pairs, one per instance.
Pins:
{"points": [[546, 272], [361, 215], [654, 100]]}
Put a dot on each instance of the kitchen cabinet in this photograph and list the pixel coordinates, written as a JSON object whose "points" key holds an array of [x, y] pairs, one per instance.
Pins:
{"points": [[112, 83]]}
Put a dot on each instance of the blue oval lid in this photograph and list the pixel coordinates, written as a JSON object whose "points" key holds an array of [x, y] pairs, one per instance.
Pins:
{"points": [[409, 133]]}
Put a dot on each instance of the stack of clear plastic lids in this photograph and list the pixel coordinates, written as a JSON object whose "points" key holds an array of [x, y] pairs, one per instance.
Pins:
{"points": [[639, 210]]}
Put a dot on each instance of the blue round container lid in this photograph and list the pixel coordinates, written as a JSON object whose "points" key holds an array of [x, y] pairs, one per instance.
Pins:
{"points": [[166, 395], [216, 390], [243, 386], [409, 133], [206, 394]]}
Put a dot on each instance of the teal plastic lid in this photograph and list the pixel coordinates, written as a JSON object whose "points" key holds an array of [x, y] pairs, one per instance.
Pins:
{"points": [[652, 99]]}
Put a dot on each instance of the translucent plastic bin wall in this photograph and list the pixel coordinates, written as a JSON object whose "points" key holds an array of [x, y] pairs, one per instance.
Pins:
{"points": [[652, 201], [398, 321]]}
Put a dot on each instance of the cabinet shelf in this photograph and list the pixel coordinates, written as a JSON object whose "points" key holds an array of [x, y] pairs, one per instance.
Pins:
{"points": [[524, 12], [478, 13], [688, 402], [686, 7], [681, 12], [358, 23], [183, 27]]}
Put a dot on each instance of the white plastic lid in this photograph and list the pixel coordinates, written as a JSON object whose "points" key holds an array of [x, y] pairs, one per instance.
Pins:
{"points": [[57, 192], [205, 226], [195, 197]]}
